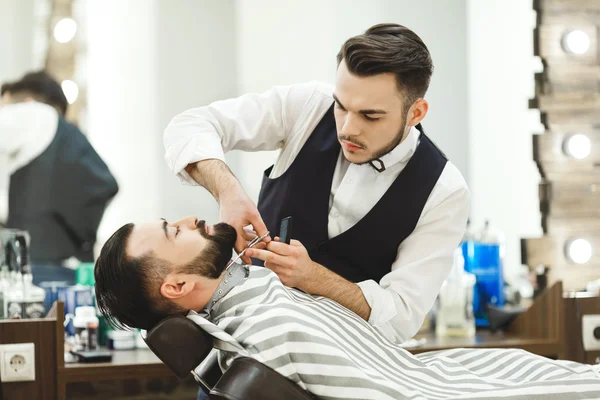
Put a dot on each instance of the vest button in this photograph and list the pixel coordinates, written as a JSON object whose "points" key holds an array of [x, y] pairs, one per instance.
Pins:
{"points": [[322, 248]]}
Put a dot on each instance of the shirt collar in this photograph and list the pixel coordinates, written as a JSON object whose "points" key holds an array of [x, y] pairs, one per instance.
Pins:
{"points": [[404, 151], [236, 274]]}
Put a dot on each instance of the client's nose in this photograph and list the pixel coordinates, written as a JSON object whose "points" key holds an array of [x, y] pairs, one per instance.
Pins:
{"points": [[188, 222]]}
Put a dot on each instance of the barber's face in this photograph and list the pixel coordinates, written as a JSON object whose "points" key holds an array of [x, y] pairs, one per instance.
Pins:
{"points": [[182, 242], [369, 115]]}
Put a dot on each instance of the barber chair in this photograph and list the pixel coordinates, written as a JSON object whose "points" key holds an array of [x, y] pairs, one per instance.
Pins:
{"points": [[183, 346]]}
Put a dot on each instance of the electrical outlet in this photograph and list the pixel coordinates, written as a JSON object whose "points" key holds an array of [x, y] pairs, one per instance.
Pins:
{"points": [[590, 331], [17, 362]]}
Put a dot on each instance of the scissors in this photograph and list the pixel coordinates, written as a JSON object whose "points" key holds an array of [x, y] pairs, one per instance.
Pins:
{"points": [[250, 244]]}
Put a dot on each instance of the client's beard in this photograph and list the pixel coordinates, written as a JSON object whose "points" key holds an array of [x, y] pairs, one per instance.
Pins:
{"points": [[213, 259]]}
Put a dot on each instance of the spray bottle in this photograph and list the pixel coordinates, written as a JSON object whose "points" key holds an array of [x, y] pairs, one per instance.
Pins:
{"points": [[455, 313]]}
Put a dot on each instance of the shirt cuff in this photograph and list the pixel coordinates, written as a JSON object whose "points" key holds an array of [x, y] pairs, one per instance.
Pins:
{"points": [[179, 156], [381, 301]]}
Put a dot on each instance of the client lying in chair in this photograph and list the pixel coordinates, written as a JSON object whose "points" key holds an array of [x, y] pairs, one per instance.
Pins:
{"points": [[150, 271]]}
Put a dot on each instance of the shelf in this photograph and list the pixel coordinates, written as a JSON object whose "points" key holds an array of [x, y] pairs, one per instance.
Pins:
{"points": [[486, 339], [125, 364]]}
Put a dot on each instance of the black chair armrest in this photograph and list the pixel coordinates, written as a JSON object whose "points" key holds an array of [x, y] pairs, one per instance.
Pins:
{"points": [[184, 347], [209, 372], [248, 379], [180, 344]]}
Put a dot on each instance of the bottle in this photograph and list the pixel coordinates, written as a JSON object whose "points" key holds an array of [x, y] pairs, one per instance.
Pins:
{"points": [[468, 235], [84, 277], [467, 244], [86, 328], [4, 275], [455, 309], [487, 265], [84, 274], [33, 296], [12, 296], [121, 340]]}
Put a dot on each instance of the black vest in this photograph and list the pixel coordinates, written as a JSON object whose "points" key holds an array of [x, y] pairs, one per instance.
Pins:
{"points": [[367, 249], [60, 197]]}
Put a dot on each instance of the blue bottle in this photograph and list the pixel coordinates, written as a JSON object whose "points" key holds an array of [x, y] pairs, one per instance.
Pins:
{"points": [[484, 255]]}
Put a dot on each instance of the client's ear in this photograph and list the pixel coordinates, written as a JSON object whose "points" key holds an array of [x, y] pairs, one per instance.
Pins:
{"points": [[175, 287]]}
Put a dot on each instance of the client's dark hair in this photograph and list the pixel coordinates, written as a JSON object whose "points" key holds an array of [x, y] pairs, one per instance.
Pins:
{"points": [[128, 288], [40, 86]]}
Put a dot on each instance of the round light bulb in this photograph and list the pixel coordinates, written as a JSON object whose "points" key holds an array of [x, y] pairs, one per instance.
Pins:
{"points": [[576, 42], [70, 90], [578, 146], [579, 251], [65, 30]]}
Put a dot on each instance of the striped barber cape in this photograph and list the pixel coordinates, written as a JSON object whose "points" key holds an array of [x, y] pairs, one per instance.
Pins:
{"points": [[334, 354]]}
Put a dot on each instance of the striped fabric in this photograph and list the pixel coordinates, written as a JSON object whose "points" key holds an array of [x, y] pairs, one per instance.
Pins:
{"points": [[335, 354]]}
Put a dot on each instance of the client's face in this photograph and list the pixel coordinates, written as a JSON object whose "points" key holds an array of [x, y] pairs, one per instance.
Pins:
{"points": [[183, 242]]}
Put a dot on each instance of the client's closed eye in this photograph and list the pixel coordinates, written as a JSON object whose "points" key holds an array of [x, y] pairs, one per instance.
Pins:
{"points": [[177, 232]]}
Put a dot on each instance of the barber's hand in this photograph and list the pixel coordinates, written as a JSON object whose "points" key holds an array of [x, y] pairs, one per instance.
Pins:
{"points": [[238, 210], [251, 234], [290, 262]]}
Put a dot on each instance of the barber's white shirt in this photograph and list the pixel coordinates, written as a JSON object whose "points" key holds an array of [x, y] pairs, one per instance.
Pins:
{"points": [[26, 130], [283, 118]]}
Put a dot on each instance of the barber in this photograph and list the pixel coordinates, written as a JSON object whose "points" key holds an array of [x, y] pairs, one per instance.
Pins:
{"points": [[378, 209]]}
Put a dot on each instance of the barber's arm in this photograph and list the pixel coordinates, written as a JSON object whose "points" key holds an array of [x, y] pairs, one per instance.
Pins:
{"points": [[196, 141], [251, 122], [397, 304]]}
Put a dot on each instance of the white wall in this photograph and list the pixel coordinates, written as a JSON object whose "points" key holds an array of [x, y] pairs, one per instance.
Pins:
{"points": [[123, 104], [274, 47], [16, 37], [286, 42], [442, 26], [196, 65], [503, 176], [148, 61]]}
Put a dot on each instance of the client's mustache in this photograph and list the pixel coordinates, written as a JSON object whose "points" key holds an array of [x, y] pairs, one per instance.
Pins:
{"points": [[201, 226], [220, 232]]}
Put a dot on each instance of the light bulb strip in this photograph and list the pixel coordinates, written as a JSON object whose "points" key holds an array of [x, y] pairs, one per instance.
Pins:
{"points": [[577, 146], [578, 251], [576, 42]]}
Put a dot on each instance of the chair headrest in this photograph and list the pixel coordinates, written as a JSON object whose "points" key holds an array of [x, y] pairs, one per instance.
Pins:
{"points": [[179, 343]]}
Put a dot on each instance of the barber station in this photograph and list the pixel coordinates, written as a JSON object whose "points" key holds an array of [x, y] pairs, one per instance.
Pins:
{"points": [[205, 200]]}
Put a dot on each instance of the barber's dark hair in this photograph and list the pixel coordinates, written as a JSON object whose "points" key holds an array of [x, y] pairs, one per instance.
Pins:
{"points": [[394, 48], [41, 86], [128, 289]]}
